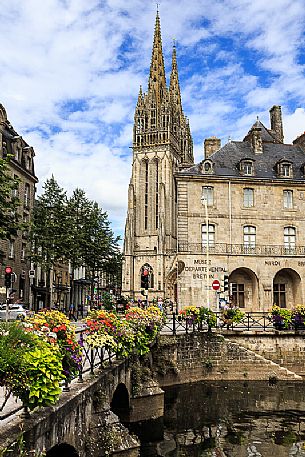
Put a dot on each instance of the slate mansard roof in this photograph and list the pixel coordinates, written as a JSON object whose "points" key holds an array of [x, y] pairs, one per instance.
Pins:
{"points": [[226, 162]]}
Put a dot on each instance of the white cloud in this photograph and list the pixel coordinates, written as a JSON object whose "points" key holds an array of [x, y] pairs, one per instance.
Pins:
{"points": [[71, 69]]}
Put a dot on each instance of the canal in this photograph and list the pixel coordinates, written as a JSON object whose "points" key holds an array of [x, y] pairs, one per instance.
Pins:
{"points": [[228, 419]]}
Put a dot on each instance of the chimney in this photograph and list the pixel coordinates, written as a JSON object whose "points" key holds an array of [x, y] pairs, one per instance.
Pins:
{"points": [[300, 141], [256, 140], [276, 123], [211, 145]]}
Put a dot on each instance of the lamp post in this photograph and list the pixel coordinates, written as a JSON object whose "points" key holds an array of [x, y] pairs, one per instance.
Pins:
{"points": [[205, 204]]}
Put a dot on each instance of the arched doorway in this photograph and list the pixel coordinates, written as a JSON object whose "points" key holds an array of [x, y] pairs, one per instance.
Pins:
{"points": [[172, 281], [120, 402], [286, 288], [243, 285], [62, 450]]}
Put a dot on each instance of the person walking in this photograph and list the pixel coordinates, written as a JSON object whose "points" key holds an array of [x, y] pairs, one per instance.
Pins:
{"points": [[72, 312]]}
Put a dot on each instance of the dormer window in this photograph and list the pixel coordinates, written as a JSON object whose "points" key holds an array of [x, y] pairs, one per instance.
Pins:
{"points": [[246, 167], [207, 167], [284, 169]]}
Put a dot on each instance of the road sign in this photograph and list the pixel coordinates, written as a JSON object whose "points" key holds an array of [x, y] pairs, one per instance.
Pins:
{"points": [[215, 284]]}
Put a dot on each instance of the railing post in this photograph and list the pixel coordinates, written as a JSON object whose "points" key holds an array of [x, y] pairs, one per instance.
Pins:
{"points": [[66, 386], [248, 321], [91, 361], [25, 413], [174, 323]]}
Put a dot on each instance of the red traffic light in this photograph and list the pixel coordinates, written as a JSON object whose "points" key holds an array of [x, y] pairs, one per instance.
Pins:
{"points": [[8, 270]]}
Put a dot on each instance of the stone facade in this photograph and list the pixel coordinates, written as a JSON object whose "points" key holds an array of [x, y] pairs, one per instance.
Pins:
{"points": [[238, 213], [15, 252], [162, 143]]}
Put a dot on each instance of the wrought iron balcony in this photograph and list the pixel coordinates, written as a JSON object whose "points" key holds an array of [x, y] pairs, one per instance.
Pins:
{"points": [[241, 249]]}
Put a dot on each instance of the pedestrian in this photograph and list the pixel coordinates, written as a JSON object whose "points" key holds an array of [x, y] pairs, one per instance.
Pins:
{"points": [[80, 310], [72, 312]]}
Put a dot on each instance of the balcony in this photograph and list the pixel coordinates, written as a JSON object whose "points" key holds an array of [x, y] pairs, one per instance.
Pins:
{"points": [[241, 249]]}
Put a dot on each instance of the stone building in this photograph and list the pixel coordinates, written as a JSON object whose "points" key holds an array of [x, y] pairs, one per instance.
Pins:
{"points": [[238, 213], [15, 252]]}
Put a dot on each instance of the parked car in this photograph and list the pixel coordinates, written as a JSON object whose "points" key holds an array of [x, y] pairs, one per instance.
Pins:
{"points": [[15, 311]]}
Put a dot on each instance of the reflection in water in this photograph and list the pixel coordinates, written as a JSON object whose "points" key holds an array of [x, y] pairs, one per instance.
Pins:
{"points": [[231, 419]]}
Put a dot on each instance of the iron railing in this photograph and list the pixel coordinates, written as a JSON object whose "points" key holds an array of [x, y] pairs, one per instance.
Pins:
{"points": [[241, 249], [256, 321], [93, 358]]}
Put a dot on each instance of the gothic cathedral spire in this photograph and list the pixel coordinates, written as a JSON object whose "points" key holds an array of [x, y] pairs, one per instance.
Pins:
{"points": [[162, 143], [157, 81], [174, 88]]}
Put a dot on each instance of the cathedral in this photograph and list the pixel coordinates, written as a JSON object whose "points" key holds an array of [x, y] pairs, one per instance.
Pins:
{"points": [[231, 227]]}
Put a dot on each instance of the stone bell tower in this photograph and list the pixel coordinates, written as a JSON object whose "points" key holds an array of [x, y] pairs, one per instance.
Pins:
{"points": [[162, 143]]}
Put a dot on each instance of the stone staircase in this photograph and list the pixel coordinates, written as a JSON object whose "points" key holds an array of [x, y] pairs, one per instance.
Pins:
{"points": [[253, 365]]}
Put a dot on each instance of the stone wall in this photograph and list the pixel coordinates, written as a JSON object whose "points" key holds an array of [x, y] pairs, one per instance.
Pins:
{"points": [[287, 349], [82, 418], [202, 356]]}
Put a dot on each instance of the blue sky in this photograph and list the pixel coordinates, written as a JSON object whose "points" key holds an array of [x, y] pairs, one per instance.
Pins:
{"points": [[71, 70]]}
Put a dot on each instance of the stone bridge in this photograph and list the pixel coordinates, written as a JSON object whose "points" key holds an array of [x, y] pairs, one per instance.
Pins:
{"points": [[88, 420]]}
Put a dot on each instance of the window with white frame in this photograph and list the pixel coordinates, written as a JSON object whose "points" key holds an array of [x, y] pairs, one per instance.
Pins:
{"points": [[208, 236], [11, 249], [286, 170], [247, 167], [208, 195], [27, 195], [248, 197], [288, 199], [249, 236], [289, 238], [23, 249]]}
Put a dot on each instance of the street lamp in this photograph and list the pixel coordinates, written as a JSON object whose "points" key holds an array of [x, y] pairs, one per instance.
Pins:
{"points": [[205, 204]]}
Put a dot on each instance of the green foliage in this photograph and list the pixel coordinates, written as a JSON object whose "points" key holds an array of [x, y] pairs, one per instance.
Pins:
{"points": [[107, 301], [30, 367], [207, 316], [281, 316], [13, 344], [17, 449], [233, 315], [44, 374], [9, 203], [50, 225]]}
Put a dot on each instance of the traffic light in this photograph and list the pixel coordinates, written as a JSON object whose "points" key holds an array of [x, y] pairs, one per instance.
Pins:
{"points": [[8, 277], [225, 283]]}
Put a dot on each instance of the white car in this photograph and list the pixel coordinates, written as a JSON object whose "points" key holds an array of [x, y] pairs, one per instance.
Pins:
{"points": [[15, 311]]}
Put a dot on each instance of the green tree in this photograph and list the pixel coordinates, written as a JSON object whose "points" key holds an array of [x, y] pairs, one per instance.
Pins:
{"points": [[78, 212], [100, 244], [49, 229], [9, 202]]}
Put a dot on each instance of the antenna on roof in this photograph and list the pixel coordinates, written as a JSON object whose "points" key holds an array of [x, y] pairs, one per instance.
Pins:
{"points": [[257, 118]]}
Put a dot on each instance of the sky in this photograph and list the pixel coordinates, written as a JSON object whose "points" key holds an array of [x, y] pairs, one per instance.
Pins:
{"points": [[71, 71]]}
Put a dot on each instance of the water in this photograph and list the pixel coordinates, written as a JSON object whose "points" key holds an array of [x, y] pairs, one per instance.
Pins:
{"points": [[228, 419]]}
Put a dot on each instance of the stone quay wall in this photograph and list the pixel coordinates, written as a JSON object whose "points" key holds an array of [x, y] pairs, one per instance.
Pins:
{"points": [[284, 348], [207, 356]]}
